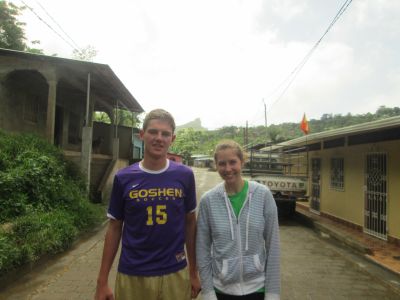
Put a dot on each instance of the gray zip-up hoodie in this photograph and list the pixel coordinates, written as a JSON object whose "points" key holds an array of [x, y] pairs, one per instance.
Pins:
{"points": [[238, 256]]}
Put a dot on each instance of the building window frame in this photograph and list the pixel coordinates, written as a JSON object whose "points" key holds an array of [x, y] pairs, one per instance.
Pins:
{"points": [[337, 173]]}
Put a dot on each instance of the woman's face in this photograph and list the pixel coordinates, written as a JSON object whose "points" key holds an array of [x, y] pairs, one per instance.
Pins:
{"points": [[229, 166]]}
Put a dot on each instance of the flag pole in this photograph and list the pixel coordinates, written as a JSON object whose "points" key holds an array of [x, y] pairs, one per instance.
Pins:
{"points": [[304, 127], [307, 157]]}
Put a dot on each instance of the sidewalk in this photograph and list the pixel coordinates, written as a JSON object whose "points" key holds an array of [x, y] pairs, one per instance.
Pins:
{"points": [[68, 276], [377, 251]]}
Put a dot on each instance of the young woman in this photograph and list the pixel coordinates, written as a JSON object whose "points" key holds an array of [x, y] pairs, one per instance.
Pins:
{"points": [[237, 245]]}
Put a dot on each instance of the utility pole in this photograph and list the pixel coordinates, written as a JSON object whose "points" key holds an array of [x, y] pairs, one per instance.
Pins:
{"points": [[246, 134], [265, 113], [266, 124]]}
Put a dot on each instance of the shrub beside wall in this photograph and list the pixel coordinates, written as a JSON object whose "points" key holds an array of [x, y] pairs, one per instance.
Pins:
{"points": [[43, 201]]}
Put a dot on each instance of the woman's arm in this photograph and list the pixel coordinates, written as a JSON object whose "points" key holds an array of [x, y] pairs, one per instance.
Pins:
{"points": [[203, 252], [272, 246], [190, 240]]}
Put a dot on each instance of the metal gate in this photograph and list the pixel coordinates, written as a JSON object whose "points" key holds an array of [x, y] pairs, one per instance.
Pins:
{"points": [[375, 195], [315, 184]]}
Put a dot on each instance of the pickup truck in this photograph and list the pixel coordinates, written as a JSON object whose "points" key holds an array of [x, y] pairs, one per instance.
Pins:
{"points": [[271, 170], [285, 189]]}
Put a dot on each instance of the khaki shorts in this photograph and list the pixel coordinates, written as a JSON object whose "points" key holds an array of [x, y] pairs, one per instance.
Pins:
{"points": [[174, 286]]}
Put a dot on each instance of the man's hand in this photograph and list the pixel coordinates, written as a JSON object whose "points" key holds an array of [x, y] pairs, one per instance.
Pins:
{"points": [[103, 292], [196, 286]]}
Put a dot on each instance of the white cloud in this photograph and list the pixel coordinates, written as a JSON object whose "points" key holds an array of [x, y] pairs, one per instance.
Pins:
{"points": [[218, 60]]}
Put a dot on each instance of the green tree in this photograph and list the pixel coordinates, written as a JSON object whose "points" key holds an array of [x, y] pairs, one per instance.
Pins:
{"points": [[36, 50], [274, 134], [101, 116], [88, 53], [386, 112], [124, 118], [12, 34], [127, 118], [187, 143]]}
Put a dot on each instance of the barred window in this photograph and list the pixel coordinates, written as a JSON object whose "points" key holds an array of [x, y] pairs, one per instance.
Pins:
{"points": [[337, 173], [31, 108]]}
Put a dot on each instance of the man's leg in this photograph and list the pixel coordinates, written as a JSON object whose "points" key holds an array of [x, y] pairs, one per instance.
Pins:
{"points": [[138, 287], [176, 286]]}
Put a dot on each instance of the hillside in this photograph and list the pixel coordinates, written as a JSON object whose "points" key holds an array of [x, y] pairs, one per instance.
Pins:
{"points": [[195, 124], [202, 141]]}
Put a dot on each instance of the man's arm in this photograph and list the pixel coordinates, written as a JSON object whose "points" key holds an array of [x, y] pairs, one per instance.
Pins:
{"points": [[111, 244], [190, 239]]}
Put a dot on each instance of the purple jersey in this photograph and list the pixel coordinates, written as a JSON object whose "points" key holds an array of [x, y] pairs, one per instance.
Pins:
{"points": [[152, 206]]}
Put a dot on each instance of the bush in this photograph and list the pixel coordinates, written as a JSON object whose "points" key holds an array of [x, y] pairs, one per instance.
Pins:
{"points": [[44, 198]]}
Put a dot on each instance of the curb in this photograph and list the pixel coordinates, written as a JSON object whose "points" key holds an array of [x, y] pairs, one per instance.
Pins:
{"points": [[347, 240], [331, 233]]}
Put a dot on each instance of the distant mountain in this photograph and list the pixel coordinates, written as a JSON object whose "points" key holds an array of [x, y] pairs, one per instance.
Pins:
{"points": [[195, 124]]}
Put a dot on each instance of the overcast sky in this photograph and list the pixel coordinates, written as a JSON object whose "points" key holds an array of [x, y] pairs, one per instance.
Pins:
{"points": [[218, 59]]}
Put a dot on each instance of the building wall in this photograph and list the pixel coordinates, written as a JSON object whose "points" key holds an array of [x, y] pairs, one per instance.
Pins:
{"points": [[106, 192], [125, 142], [23, 97], [393, 149], [349, 203]]}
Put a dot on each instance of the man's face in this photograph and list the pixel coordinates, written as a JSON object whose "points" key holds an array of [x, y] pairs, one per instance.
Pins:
{"points": [[157, 138]]}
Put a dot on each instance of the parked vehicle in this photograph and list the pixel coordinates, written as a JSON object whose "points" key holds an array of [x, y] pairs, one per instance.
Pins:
{"points": [[283, 173]]}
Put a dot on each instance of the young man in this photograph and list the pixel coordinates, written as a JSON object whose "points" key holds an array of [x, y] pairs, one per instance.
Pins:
{"points": [[152, 211]]}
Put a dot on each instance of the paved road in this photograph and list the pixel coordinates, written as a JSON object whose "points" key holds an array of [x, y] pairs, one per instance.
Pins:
{"points": [[312, 268]]}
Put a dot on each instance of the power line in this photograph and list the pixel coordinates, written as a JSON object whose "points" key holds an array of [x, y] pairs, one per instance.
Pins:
{"points": [[32, 10], [59, 26], [292, 76]]}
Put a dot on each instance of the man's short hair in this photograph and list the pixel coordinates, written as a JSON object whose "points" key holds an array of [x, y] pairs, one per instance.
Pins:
{"points": [[159, 114]]}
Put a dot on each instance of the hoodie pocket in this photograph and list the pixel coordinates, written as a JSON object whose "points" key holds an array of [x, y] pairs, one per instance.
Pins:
{"points": [[227, 270], [253, 266]]}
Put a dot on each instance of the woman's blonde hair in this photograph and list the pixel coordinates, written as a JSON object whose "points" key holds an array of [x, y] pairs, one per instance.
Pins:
{"points": [[230, 144]]}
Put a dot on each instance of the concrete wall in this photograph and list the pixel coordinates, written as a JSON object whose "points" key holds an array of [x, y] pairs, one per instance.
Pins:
{"points": [[104, 131], [125, 142], [106, 192], [107, 132], [23, 103]]}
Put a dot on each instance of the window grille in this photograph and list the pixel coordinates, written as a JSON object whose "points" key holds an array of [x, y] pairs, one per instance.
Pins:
{"points": [[31, 108], [337, 173], [315, 184]]}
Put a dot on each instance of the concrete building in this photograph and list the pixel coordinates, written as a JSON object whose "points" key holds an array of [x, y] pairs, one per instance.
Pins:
{"points": [[354, 175], [175, 157], [203, 161], [56, 99]]}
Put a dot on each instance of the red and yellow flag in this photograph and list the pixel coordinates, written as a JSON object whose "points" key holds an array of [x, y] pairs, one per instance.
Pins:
{"points": [[304, 125]]}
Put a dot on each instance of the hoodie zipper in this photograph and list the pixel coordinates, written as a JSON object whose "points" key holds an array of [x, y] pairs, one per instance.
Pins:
{"points": [[239, 240], [240, 253]]}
